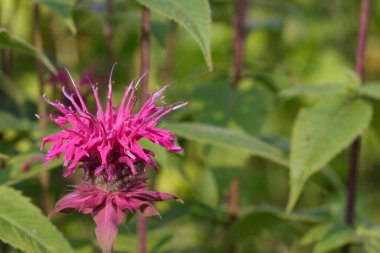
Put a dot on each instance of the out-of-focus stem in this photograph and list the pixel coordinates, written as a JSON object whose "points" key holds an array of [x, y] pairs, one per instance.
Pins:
{"points": [[170, 49], [355, 147], [144, 53], [234, 198], [6, 61], [143, 95], [239, 30], [44, 177], [142, 233], [108, 31]]}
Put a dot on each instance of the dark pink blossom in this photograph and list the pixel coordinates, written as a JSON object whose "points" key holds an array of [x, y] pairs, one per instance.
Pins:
{"points": [[62, 79], [108, 205], [109, 141]]}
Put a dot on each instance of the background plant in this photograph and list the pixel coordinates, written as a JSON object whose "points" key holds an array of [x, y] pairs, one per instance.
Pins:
{"points": [[296, 104]]}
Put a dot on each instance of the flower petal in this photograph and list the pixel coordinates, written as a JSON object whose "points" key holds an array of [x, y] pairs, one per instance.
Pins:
{"points": [[107, 219]]}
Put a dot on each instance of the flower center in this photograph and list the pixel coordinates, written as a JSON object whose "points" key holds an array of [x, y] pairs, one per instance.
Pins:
{"points": [[118, 182]]}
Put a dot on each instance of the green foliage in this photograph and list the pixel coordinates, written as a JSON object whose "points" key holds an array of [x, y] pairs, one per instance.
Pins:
{"points": [[330, 236], [317, 90], [194, 16], [14, 172], [228, 138], [10, 88], [371, 90], [250, 224], [64, 8], [370, 237], [7, 40], [9, 121], [319, 134], [24, 227], [295, 97]]}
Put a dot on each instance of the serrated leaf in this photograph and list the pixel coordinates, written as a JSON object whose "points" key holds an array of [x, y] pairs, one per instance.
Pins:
{"points": [[23, 226], [314, 90], [228, 138], [6, 40], [371, 90], [337, 237], [319, 134], [64, 8], [14, 172], [194, 16]]}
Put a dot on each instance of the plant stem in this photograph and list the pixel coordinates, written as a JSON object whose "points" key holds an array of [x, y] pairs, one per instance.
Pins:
{"points": [[170, 49], [143, 96], [108, 32], [145, 54], [239, 29], [44, 177], [355, 147]]}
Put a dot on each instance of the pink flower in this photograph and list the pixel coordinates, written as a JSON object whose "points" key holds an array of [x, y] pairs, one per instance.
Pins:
{"points": [[109, 142], [107, 205], [107, 147]]}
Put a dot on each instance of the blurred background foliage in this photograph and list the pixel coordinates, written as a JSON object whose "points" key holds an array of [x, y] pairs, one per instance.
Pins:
{"points": [[288, 44]]}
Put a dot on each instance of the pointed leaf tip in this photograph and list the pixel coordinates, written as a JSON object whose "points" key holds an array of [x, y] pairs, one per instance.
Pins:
{"points": [[319, 134]]}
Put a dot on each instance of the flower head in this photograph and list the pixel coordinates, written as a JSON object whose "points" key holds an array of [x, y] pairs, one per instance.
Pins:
{"points": [[108, 207], [107, 147], [109, 142]]}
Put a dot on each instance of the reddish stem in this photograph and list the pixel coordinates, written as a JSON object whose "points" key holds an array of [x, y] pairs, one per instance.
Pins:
{"points": [[239, 29], [143, 96], [44, 177], [355, 147], [145, 54], [241, 7]]}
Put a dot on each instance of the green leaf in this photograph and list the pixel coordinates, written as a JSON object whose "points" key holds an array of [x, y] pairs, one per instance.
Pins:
{"points": [[315, 90], [319, 134], [371, 245], [329, 236], [11, 89], [228, 138], [194, 16], [337, 237], [23, 226], [316, 233], [64, 8], [13, 173], [249, 225], [6, 40], [371, 90], [370, 236], [8, 121]]}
